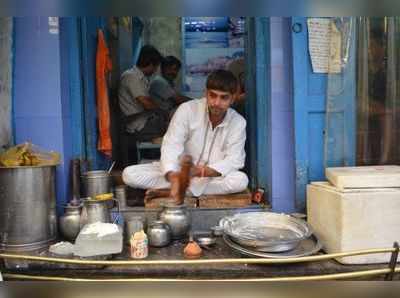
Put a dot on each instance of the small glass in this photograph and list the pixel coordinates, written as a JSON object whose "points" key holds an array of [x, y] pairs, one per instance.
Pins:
{"points": [[132, 225]]}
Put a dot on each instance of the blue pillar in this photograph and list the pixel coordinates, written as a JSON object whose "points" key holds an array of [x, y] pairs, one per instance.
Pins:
{"points": [[42, 112], [72, 89], [282, 115], [258, 105]]}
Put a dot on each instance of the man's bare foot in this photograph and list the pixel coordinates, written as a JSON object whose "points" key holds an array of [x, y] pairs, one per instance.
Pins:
{"points": [[156, 193]]}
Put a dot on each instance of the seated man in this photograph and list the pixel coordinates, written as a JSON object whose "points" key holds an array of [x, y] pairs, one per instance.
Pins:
{"points": [[237, 67], [142, 118], [162, 87], [138, 108], [210, 132]]}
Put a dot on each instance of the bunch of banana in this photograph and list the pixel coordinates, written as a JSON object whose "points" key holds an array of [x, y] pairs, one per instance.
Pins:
{"points": [[104, 196], [27, 155], [28, 158], [18, 156]]}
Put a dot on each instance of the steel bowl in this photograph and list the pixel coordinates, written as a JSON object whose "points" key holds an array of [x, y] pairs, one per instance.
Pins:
{"points": [[206, 240], [266, 231], [217, 231]]}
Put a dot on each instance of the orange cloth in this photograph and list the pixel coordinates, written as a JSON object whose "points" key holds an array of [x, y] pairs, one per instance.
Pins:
{"points": [[103, 67]]}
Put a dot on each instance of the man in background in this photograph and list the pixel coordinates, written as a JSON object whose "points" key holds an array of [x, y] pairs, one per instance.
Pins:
{"points": [[162, 87], [237, 67], [141, 115]]}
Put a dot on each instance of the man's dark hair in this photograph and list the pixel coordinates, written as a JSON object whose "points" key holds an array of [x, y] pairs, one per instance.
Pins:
{"points": [[222, 80], [148, 55], [170, 61]]}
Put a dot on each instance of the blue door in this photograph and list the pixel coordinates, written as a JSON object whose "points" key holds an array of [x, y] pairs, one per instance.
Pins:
{"points": [[315, 146], [258, 106], [89, 27]]}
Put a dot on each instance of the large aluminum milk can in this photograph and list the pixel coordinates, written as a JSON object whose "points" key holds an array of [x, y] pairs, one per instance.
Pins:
{"points": [[27, 207]]}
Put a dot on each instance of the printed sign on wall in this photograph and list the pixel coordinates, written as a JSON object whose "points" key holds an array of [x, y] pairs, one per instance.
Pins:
{"points": [[210, 43]]}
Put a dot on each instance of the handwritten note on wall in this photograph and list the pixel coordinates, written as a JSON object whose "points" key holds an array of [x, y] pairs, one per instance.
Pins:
{"points": [[324, 42]]}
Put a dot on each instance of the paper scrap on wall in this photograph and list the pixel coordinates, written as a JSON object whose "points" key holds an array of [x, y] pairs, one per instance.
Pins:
{"points": [[324, 42], [53, 25]]}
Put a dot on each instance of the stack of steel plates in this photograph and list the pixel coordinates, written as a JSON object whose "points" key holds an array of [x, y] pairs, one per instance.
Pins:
{"points": [[268, 234]]}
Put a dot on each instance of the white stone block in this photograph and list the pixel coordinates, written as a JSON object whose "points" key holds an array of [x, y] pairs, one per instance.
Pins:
{"points": [[364, 177], [354, 219]]}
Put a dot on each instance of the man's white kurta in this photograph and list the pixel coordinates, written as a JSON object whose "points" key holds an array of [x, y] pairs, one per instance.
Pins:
{"points": [[190, 132]]}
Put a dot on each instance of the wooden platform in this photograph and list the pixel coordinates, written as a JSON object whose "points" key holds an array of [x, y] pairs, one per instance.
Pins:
{"points": [[235, 200], [157, 203], [241, 199]]}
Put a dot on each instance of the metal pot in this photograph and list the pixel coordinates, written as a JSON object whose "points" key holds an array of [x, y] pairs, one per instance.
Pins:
{"points": [[178, 218], [96, 183], [27, 207], [120, 195], [159, 234], [95, 211], [70, 222]]}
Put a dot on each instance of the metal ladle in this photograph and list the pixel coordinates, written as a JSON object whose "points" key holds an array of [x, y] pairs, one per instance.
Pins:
{"points": [[111, 167]]}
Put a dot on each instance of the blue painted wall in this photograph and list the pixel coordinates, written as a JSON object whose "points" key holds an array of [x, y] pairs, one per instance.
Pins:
{"points": [[282, 114], [41, 108]]}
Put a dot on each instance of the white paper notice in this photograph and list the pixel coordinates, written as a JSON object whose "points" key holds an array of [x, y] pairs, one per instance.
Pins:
{"points": [[53, 25], [324, 41]]}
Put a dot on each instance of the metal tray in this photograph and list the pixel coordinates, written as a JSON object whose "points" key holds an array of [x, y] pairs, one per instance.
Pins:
{"points": [[266, 231], [306, 247], [274, 248]]}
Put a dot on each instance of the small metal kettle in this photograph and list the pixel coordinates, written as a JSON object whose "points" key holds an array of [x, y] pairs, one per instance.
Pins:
{"points": [[70, 222], [177, 218], [159, 234]]}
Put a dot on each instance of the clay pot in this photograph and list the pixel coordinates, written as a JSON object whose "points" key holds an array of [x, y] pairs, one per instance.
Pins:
{"points": [[192, 250]]}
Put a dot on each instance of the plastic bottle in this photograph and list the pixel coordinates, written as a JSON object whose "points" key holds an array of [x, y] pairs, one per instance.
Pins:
{"points": [[139, 245]]}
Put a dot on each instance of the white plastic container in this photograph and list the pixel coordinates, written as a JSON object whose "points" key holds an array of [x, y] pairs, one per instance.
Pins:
{"points": [[354, 219]]}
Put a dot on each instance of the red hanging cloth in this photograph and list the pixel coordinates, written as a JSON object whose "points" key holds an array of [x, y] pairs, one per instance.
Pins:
{"points": [[103, 67]]}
